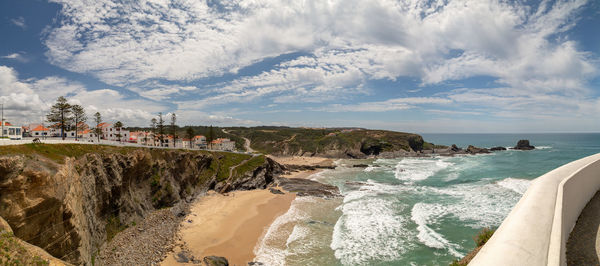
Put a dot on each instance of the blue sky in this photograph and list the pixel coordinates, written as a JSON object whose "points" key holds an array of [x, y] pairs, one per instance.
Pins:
{"points": [[417, 66]]}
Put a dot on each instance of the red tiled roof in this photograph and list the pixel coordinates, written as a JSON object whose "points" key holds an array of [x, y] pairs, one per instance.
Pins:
{"points": [[40, 128]]}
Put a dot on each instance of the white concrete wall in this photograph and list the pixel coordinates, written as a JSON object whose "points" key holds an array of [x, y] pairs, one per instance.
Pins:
{"points": [[537, 229]]}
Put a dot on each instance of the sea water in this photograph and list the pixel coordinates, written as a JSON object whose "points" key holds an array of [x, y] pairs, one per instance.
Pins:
{"points": [[415, 211]]}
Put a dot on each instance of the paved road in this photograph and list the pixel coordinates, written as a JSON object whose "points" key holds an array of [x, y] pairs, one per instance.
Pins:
{"points": [[583, 246]]}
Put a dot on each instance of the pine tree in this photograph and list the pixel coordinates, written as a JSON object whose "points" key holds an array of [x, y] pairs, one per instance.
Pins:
{"points": [[79, 117], [211, 135], [98, 129], [174, 128], [190, 135], [60, 114], [118, 127], [161, 129]]}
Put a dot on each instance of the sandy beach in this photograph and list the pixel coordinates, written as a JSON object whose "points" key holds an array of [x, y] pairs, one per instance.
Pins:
{"points": [[230, 225], [302, 160]]}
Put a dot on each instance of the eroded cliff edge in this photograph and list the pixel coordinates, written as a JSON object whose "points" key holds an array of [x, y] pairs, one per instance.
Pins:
{"points": [[70, 199]]}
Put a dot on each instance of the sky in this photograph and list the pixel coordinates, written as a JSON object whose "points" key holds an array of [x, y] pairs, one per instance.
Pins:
{"points": [[438, 66]]}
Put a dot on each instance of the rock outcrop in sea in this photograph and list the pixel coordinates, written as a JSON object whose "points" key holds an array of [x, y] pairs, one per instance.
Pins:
{"points": [[523, 145]]}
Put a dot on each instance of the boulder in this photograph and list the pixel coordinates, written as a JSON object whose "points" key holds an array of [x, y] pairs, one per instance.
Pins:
{"points": [[475, 150], [360, 165], [4, 226], [454, 148], [275, 191], [523, 145], [499, 148], [215, 261]]}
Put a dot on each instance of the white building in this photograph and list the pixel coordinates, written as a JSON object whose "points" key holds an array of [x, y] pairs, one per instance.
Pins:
{"points": [[109, 132], [222, 144], [38, 131], [11, 132], [198, 142]]}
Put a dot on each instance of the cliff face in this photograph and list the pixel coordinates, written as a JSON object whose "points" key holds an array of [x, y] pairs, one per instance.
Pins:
{"points": [[71, 208]]}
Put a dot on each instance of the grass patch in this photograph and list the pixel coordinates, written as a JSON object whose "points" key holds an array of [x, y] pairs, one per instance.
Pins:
{"points": [[58, 152], [226, 161], [250, 165]]}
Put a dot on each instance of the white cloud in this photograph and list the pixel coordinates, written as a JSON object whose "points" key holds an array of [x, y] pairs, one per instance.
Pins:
{"points": [[19, 22], [28, 101], [129, 42], [388, 105], [525, 48], [17, 56]]}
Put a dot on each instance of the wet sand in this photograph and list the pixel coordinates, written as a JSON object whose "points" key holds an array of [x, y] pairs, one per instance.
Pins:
{"points": [[230, 226]]}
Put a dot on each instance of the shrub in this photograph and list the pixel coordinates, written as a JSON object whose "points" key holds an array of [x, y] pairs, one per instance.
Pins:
{"points": [[483, 236]]}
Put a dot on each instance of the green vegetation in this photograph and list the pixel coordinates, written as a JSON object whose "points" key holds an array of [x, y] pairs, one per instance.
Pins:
{"points": [[113, 227], [480, 239], [228, 160], [12, 252], [483, 236], [277, 140], [249, 165], [58, 152]]}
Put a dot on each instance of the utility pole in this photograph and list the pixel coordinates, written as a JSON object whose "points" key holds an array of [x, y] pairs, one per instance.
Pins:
{"points": [[2, 119]]}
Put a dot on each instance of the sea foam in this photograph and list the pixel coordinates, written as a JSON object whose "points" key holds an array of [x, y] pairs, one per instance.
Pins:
{"points": [[370, 228], [422, 214], [410, 169]]}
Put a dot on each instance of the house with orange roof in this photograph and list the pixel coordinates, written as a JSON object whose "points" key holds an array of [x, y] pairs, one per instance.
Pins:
{"points": [[39, 131], [197, 142], [222, 144]]}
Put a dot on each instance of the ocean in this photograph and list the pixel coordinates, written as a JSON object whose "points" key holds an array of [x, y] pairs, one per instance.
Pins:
{"points": [[415, 211]]}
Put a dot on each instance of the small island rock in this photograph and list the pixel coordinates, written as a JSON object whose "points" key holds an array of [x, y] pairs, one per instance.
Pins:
{"points": [[499, 148], [455, 148], [475, 150], [523, 145]]}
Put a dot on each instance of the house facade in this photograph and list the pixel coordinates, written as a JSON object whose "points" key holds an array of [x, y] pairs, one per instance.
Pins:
{"points": [[222, 144], [109, 132], [11, 132]]}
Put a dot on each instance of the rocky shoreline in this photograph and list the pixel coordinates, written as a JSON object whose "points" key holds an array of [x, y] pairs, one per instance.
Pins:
{"points": [[452, 151]]}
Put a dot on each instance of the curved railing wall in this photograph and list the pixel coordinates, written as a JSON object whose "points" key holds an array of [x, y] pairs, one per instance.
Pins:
{"points": [[537, 229]]}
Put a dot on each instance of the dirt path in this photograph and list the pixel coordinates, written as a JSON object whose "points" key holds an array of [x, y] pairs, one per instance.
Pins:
{"points": [[247, 145], [246, 141]]}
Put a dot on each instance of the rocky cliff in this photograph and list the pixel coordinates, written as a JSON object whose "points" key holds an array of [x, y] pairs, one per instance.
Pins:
{"points": [[70, 199]]}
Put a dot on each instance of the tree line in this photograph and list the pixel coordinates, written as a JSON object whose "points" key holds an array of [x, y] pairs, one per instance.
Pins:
{"points": [[72, 117]]}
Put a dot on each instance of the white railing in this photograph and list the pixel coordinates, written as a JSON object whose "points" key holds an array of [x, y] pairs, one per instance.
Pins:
{"points": [[538, 227]]}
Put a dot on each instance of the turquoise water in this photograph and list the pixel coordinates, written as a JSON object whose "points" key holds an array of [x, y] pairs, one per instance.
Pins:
{"points": [[411, 211]]}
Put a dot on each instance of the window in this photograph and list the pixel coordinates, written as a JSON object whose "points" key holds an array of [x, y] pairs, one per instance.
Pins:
{"points": [[18, 131], [11, 131]]}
